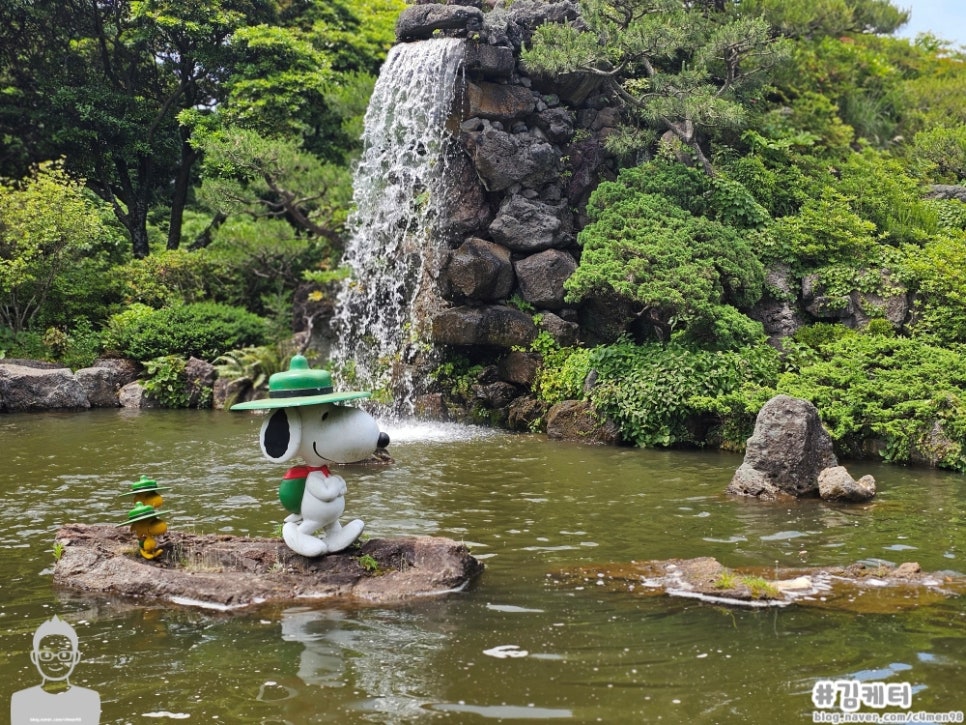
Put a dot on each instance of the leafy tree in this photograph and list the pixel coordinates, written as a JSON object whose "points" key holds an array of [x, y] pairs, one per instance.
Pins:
{"points": [[102, 84], [48, 227], [118, 74], [817, 18], [245, 172], [681, 67]]}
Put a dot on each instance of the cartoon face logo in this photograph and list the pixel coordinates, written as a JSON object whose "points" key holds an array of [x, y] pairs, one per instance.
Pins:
{"points": [[55, 654]]}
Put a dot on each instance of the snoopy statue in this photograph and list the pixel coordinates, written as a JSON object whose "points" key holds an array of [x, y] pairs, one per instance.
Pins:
{"points": [[306, 422]]}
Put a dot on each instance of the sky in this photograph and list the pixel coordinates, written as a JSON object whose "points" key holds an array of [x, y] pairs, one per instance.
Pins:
{"points": [[945, 19]]}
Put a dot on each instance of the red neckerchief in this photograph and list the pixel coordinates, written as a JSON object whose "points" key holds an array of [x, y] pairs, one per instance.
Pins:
{"points": [[304, 471]]}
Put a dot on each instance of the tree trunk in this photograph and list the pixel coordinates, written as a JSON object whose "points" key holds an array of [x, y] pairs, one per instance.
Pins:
{"points": [[182, 184]]}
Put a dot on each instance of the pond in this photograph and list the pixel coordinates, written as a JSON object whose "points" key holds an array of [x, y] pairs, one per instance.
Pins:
{"points": [[522, 644]]}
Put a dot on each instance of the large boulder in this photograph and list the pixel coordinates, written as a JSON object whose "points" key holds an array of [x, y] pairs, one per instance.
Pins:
{"points": [[33, 388], [134, 395], [528, 225], [421, 22], [520, 367], [199, 376], [100, 385], [478, 270], [786, 453], [491, 326], [541, 277]]}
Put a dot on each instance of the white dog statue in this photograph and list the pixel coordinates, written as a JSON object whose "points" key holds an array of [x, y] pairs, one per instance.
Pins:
{"points": [[307, 423]]}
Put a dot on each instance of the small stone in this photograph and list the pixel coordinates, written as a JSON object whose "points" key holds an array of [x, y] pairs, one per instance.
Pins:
{"points": [[835, 484]]}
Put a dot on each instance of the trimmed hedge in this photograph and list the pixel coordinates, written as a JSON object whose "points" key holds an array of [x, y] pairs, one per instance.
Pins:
{"points": [[204, 330]]}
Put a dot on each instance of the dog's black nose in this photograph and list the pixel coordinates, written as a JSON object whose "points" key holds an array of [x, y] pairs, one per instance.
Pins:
{"points": [[383, 441]]}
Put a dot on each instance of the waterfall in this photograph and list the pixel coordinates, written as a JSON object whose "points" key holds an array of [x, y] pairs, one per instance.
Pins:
{"points": [[397, 228]]}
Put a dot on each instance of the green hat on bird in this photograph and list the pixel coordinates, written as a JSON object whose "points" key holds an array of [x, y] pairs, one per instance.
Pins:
{"points": [[300, 385], [141, 512], [143, 485]]}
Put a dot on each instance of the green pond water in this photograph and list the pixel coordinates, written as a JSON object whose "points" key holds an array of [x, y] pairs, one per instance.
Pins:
{"points": [[529, 508]]}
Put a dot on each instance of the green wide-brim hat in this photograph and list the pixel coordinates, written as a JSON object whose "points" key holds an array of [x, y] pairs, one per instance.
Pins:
{"points": [[300, 385], [141, 512], [143, 485]]}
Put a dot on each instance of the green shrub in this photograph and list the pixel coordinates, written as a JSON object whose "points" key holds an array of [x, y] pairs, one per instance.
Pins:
{"points": [[825, 231], [655, 392], [562, 372], [897, 390], [820, 334], [166, 383], [168, 277], [674, 268], [937, 271], [204, 330], [76, 346], [26, 344]]}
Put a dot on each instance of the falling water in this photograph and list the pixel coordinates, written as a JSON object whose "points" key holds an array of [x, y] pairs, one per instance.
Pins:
{"points": [[398, 237]]}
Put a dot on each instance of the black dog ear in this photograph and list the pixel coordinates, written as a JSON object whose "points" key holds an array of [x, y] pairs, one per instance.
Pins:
{"points": [[281, 435]]}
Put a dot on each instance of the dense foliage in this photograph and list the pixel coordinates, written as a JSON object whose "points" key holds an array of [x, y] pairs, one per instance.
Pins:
{"points": [[675, 268], [203, 329], [127, 92], [164, 154], [171, 172], [809, 151]]}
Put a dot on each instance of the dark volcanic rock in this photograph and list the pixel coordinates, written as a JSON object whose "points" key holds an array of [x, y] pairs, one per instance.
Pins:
{"points": [[230, 572], [525, 225], [577, 420], [503, 159], [541, 277], [420, 22], [786, 453], [479, 270], [493, 326]]}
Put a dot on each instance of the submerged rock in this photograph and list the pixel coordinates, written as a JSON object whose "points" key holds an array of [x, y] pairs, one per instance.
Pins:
{"points": [[230, 572], [860, 587]]}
